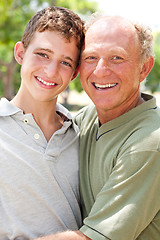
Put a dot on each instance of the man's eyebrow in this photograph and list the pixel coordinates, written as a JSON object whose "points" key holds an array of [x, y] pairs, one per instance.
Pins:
{"points": [[87, 52], [50, 51]]}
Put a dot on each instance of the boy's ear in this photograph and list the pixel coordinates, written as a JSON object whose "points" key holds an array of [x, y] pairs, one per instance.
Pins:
{"points": [[75, 73], [19, 52], [146, 68]]}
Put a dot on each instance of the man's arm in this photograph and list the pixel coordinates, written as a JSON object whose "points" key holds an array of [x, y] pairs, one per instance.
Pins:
{"points": [[69, 235]]}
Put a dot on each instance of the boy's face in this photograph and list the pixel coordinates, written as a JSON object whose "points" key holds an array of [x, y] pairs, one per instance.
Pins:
{"points": [[48, 65]]}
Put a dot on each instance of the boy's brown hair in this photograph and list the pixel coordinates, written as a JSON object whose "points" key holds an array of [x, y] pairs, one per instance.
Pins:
{"points": [[63, 20]]}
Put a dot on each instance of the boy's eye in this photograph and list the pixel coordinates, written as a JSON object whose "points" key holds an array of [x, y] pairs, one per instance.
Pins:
{"points": [[43, 55], [66, 63]]}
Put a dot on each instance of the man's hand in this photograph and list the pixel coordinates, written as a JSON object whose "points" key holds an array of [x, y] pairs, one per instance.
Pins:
{"points": [[69, 235]]}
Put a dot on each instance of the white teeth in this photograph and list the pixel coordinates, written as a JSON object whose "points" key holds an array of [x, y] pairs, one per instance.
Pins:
{"points": [[46, 83], [104, 86]]}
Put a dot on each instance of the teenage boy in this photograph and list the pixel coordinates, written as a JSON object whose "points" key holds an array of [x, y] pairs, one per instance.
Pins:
{"points": [[39, 188]]}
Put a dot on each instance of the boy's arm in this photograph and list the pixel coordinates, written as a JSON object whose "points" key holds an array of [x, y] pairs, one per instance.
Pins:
{"points": [[69, 235]]}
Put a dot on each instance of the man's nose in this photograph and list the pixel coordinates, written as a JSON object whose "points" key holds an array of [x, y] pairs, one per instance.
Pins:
{"points": [[102, 68]]}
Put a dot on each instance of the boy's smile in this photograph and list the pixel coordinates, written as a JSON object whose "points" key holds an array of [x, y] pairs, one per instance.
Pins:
{"points": [[43, 83]]}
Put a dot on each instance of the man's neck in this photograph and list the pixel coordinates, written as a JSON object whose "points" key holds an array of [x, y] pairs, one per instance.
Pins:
{"points": [[108, 115]]}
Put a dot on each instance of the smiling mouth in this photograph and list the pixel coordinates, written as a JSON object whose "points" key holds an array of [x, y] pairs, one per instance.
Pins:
{"points": [[45, 83], [105, 86]]}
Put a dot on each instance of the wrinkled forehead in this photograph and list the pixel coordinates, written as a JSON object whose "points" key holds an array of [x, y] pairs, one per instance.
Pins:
{"points": [[111, 27], [108, 34]]}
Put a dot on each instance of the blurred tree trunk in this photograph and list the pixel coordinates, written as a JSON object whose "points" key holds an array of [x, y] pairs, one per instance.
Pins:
{"points": [[65, 95], [8, 78]]}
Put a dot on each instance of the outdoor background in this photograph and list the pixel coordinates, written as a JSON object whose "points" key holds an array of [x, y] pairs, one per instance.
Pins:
{"points": [[15, 14]]}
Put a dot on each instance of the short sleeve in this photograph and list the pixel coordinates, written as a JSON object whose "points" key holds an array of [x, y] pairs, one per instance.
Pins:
{"points": [[128, 201]]}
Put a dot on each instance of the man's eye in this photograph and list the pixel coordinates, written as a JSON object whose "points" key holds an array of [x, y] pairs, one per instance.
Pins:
{"points": [[117, 58], [66, 63], [90, 58]]}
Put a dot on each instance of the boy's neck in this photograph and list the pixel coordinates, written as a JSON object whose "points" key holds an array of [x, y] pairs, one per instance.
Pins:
{"points": [[44, 113]]}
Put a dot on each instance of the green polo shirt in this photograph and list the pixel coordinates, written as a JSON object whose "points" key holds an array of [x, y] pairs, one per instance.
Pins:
{"points": [[120, 173]]}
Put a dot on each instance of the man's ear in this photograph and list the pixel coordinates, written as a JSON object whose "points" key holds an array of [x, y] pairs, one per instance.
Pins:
{"points": [[146, 68], [19, 52], [75, 73]]}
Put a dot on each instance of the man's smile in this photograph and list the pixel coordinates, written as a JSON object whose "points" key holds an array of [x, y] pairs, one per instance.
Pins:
{"points": [[104, 86]]}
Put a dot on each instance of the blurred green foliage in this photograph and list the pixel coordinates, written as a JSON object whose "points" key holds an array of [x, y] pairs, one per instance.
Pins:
{"points": [[153, 79]]}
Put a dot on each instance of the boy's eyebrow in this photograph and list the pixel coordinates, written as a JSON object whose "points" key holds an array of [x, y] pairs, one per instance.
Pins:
{"points": [[46, 49], [50, 51]]}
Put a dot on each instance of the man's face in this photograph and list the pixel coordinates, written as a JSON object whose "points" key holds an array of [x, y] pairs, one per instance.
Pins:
{"points": [[48, 65], [110, 69]]}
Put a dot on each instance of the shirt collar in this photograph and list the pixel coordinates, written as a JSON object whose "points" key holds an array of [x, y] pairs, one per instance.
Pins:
{"points": [[8, 109], [67, 115]]}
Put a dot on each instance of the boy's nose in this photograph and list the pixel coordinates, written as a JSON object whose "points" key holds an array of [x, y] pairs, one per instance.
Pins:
{"points": [[52, 69]]}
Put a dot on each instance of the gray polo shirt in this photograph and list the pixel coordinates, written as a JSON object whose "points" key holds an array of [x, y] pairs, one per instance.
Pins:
{"points": [[39, 182]]}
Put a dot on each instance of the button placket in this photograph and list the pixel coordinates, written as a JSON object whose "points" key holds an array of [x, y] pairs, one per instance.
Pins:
{"points": [[26, 120], [36, 136]]}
